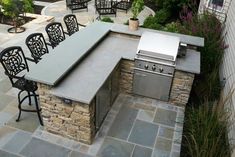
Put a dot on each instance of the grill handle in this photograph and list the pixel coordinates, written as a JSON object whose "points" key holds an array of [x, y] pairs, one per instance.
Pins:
{"points": [[146, 60], [167, 75]]}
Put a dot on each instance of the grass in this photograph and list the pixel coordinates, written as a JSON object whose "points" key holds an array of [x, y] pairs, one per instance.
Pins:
{"points": [[206, 129]]}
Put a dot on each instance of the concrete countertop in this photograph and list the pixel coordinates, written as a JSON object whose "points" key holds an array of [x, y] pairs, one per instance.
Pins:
{"points": [[55, 65], [86, 79], [190, 63]]}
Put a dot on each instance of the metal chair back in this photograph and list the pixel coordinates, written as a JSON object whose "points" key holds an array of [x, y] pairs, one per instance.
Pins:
{"points": [[71, 23], [37, 45], [13, 61], [55, 33]]}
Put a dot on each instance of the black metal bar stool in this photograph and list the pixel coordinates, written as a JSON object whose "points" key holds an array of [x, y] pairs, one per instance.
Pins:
{"points": [[15, 65]]}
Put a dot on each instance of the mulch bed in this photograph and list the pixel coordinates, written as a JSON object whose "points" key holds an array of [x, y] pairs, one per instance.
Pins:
{"points": [[8, 21]]}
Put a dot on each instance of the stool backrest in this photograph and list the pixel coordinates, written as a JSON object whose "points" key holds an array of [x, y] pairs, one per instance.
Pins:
{"points": [[71, 23], [13, 61], [55, 33], [37, 45]]}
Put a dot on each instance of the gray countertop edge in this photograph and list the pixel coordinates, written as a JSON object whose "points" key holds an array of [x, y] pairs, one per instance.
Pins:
{"points": [[188, 39], [70, 98], [188, 71]]}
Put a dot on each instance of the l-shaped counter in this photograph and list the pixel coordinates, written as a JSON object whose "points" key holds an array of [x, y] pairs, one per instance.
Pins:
{"points": [[78, 67]]}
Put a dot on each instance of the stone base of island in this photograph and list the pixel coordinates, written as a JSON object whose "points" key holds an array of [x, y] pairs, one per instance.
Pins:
{"points": [[68, 101], [77, 120]]}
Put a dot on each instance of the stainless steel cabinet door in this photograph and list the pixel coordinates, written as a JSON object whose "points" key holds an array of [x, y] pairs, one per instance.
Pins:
{"points": [[103, 100], [152, 85]]}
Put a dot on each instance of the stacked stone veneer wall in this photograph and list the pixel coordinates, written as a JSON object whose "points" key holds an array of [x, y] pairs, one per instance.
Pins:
{"points": [[181, 85], [126, 76], [74, 120], [181, 88]]}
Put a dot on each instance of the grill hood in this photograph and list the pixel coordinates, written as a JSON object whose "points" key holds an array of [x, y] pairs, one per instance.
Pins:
{"points": [[158, 45]]}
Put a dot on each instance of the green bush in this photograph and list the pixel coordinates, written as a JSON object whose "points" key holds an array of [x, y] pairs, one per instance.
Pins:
{"points": [[107, 19], [162, 16], [205, 131], [157, 21], [13, 8], [174, 6], [151, 22], [172, 27]]}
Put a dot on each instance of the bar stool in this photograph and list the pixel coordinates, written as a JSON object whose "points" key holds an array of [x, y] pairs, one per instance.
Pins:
{"points": [[15, 65]]}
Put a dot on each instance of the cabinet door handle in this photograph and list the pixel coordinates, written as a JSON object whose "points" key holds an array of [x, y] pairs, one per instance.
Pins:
{"points": [[140, 74]]}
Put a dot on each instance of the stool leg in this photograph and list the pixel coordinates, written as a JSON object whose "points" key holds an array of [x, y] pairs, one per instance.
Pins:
{"points": [[19, 107], [29, 99], [37, 109]]}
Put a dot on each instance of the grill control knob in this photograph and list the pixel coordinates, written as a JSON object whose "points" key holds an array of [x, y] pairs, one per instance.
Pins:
{"points": [[161, 70], [154, 67], [146, 66]]}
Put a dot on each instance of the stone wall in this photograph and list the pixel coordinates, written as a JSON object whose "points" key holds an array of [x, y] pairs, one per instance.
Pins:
{"points": [[74, 120], [181, 88], [126, 76]]}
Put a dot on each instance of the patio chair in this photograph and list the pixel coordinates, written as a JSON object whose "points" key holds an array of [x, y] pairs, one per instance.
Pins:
{"points": [[15, 65], [71, 23], [55, 33], [77, 4], [37, 46], [123, 5], [105, 7]]}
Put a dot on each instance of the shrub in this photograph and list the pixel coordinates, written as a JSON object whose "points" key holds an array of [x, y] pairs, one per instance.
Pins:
{"points": [[107, 19], [172, 27], [162, 16], [174, 6], [157, 21], [151, 22], [28, 5]]}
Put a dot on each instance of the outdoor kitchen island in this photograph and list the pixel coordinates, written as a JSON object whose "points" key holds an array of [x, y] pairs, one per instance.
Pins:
{"points": [[79, 80]]}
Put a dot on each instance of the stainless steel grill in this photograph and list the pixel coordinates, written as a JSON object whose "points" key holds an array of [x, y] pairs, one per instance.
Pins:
{"points": [[155, 65]]}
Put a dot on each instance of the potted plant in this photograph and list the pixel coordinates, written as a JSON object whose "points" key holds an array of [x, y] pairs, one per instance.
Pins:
{"points": [[136, 8]]}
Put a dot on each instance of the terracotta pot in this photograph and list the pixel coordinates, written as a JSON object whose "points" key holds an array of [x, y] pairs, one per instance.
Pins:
{"points": [[133, 24]]}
